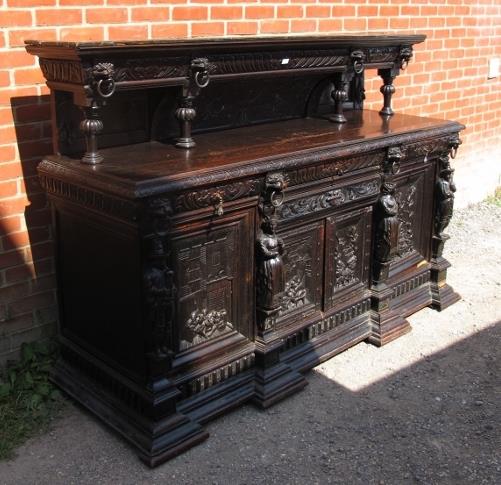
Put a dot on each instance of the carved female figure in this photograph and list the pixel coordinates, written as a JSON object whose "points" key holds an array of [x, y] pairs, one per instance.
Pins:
{"points": [[445, 189], [271, 280], [387, 231], [160, 293]]}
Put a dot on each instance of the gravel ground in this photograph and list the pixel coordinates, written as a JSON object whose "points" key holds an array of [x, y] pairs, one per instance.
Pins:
{"points": [[424, 409]]}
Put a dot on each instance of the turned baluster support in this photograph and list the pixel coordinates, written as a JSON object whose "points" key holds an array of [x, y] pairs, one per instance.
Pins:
{"points": [[185, 114], [339, 97], [387, 90], [100, 88], [90, 126], [198, 79]]}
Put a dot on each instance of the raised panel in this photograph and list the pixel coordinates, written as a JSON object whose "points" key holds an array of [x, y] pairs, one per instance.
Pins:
{"points": [[213, 285], [303, 271], [414, 213], [347, 254]]}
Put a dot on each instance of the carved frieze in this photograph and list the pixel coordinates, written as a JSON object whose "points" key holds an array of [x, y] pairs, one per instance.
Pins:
{"points": [[382, 54], [199, 199], [113, 206], [259, 61], [63, 71], [150, 68], [332, 168], [329, 199], [218, 375]]}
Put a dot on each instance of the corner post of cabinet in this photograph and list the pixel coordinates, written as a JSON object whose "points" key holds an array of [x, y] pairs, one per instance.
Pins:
{"points": [[445, 188], [273, 380], [386, 324]]}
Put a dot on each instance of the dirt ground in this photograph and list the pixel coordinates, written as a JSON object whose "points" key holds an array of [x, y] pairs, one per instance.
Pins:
{"points": [[424, 409]]}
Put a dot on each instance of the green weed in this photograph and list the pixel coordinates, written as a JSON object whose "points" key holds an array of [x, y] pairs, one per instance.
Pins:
{"points": [[28, 400]]}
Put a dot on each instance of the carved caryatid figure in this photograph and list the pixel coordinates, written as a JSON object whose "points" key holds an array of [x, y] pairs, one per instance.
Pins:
{"points": [[387, 231], [445, 189], [270, 249], [160, 299]]}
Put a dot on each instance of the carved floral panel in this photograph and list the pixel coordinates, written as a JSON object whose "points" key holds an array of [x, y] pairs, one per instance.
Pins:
{"points": [[409, 196], [303, 270], [347, 252]]}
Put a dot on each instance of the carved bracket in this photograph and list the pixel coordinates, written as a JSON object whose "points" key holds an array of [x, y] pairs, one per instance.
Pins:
{"points": [[269, 251]]}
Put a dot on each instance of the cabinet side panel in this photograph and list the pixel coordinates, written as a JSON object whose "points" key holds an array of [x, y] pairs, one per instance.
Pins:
{"points": [[99, 287]]}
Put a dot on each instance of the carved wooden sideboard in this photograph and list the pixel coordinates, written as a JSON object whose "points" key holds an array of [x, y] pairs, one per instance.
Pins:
{"points": [[227, 216]]}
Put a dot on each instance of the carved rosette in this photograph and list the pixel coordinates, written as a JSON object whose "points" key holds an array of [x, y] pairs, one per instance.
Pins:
{"points": [[445, 189], [269, 251], [159, 287]]}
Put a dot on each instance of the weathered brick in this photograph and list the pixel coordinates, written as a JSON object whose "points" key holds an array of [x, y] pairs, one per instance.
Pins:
{"points": [[106, 15], [57, 16]]}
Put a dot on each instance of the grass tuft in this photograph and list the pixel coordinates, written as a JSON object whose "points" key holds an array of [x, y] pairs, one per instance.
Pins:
{"points": [[495, 199], [28, 400]]}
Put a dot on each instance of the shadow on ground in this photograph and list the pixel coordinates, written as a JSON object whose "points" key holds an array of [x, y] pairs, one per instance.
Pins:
{"points": [[436, 421]]}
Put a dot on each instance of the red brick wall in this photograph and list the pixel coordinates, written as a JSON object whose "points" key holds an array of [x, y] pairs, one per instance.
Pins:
{"points": [[447, 79]]}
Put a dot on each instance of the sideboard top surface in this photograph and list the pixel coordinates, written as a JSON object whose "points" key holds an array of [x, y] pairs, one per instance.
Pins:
{"points": [[147, 168], [223, 44]]}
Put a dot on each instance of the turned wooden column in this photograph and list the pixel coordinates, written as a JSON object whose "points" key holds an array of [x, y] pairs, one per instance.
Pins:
{"points": [[387, 89], [198, 79], [101, 87]]}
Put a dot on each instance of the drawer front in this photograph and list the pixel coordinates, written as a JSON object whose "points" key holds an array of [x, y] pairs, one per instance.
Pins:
{"points": [[347, 254]]}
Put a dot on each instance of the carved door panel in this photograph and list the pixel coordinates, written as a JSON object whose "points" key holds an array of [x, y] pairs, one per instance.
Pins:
{"points": [[303, 271], [414, 198], [347, 254], [213, 274]]}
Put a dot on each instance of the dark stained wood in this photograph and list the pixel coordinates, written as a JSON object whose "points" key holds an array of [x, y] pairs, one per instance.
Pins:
{"points": [[194, 279]]}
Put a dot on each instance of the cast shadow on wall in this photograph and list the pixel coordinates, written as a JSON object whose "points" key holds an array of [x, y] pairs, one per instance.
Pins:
{"points": [[29, 299]]}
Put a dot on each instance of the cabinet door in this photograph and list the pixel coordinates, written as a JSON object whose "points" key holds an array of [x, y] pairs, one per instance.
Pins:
{"points": [[414, 196], [347, 254], [303, 258], [214, 280]]}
